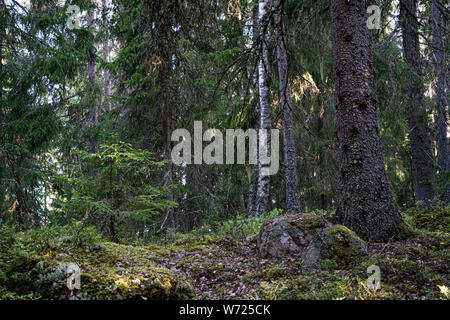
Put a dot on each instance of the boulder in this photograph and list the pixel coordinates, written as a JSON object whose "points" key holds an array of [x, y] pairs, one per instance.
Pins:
{"points": [[58, 275], [288, 234], [312, 237], [337, 243]]}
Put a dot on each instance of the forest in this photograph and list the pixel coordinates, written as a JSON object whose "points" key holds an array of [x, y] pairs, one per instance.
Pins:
{"points": [[224, 150]]}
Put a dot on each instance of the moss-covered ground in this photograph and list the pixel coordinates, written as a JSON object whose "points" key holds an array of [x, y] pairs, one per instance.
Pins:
{"points": [[226, 266]]}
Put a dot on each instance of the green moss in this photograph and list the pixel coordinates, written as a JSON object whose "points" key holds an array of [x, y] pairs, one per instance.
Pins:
{"points": [[406, 231], [412, 269], [328, 286], [250, 277], [343, 231], [216, 268], [329, 264], [191, 247], [346, 245], [274, 273], [406, 274], [308, 222], [113, 272], [433, 219]]}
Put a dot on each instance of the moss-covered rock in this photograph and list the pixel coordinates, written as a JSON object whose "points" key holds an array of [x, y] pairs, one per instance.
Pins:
{"points": [[288, 234], [433, 219], [337, 243], [114, 272]]}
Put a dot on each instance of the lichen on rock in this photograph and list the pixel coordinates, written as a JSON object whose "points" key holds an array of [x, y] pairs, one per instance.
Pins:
{"points": [[288, 234], [337, 243], [312, 237]]}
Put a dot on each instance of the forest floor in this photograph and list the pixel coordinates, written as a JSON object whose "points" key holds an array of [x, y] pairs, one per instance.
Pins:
{"points": [[412, 269], [221, 267]]}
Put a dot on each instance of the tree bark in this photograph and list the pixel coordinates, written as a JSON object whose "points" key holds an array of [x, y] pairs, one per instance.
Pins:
{"points": [[92, 74], [252, 208], [440, 73], [289, 154], [1, 86], [106, 75], [423, 169], [262, 195], [365, 202], [167, 130]]}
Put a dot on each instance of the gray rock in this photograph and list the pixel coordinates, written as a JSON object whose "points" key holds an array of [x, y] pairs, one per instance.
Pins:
{"points": [[337, 243], [97, 247], [38, 268], [58, 276], [288, 234]]}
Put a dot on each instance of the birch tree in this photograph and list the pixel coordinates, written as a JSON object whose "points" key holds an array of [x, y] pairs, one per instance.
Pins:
{"points": [[262, 195]]}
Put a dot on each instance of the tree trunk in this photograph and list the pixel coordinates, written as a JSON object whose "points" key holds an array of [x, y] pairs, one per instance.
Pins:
{"points": [[262, 194], [289, 154], [106, 75], [92, 74], [252, 209], [423, 170], [440, 72], [167, 128], [365, 201], [1, 87]]}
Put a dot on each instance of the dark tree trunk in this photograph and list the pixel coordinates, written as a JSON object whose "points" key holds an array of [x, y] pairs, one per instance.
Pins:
{"points": [[440, 73], [290, 163], [106, 75], [167, 130], [252, 209], [262, 194], [1, 86], [92, 74], [423, 169], [365, 201]]}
